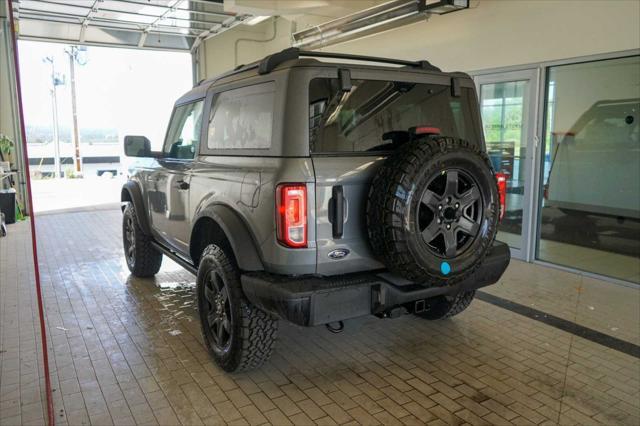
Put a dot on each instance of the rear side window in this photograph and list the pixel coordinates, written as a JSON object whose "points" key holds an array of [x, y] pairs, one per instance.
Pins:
{"points": [[183, 137], [356, 121], [242, 118]]}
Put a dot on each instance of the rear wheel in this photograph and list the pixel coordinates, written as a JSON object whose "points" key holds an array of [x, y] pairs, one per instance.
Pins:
{"points": [[238, 335], [143, 260], [442, 307]]}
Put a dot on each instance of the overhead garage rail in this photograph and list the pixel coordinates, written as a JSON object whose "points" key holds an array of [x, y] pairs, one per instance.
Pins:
{"points": [[146, 24]]}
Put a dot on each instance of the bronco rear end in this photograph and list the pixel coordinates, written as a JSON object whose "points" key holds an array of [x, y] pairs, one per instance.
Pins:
{"points": [[316, 192], [405, 204]]}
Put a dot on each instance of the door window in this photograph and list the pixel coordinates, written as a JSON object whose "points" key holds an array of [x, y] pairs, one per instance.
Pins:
{"points": [[183, 138]]}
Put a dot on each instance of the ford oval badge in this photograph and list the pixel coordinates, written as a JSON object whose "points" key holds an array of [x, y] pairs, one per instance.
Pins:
{"points": [[338, 253]]}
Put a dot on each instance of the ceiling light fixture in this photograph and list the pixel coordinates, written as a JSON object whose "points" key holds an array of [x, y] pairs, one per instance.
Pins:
{"points": [[376, 19]]}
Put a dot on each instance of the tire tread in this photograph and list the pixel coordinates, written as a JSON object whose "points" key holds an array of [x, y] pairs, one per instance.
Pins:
{"points": [[385, 209]]}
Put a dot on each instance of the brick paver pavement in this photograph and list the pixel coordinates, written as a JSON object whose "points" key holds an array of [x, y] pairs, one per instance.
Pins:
{"points": [[129, 351]]}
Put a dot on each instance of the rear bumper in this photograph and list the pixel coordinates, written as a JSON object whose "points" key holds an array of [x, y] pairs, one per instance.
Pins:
{"points": [[316, 300]]}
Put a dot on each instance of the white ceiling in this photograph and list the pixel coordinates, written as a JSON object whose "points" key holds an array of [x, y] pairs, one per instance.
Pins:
{"points": [[317, 8], [172, 24], [151, 24], [160, 24]]}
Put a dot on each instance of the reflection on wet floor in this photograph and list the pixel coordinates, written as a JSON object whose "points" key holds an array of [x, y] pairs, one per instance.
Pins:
{"points": [[174, 295]]}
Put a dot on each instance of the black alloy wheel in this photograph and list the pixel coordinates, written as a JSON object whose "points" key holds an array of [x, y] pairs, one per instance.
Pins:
{"points": [[450, 213], [219, 318], [129, 241]]}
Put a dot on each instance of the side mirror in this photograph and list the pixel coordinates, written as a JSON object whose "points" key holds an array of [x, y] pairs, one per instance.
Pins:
{"points": [[137, 146]]}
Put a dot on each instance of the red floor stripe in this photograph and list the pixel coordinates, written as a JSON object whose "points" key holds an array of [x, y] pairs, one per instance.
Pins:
{"points": [[43, 333]]}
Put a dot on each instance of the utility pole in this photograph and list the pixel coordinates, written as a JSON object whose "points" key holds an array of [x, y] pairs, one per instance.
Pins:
{"points": [[56, 135], [55, 81], [73, 57]]}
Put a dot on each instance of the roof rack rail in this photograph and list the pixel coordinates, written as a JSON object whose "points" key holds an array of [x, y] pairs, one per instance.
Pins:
{"points": [[236, 70], [270, 62]]}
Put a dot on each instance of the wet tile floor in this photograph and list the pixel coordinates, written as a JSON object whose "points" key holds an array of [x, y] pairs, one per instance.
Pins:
{"points": [[129, 351]]}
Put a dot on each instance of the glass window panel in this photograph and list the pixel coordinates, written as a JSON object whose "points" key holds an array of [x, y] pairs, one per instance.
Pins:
{"points": [[504, 118], [590, 208], [355, 121], [183, 137], [242, 118]]}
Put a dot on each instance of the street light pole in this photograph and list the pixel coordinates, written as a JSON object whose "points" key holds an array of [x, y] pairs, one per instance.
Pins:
{"points": [[54, 102]]}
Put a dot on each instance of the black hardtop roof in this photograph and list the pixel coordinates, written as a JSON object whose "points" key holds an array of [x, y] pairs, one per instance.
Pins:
{"points": [[293, 57]]}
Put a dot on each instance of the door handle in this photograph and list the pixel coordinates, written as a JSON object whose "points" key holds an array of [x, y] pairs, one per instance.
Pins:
{"points": [[336, 211], [182, 185]]}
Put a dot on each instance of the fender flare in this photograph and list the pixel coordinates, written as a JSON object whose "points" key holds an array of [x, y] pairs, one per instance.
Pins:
{"points": [[135, 196], [240, 238]]}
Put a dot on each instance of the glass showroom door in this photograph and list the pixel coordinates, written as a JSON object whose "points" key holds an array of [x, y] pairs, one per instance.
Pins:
{"points": [[507, 105], [590, 199]]}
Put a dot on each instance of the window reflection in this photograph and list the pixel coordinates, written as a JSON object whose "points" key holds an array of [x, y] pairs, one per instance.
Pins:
{"points": [[590, 208], [504, 120]]}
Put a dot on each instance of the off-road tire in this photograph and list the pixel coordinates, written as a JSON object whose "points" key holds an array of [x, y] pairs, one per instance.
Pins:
{"points": [[393, 201], [443, 307], [254, 331], [145, 261]]}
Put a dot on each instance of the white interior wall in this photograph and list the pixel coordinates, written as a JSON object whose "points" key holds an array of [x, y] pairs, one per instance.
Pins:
{"points": [[490, 34], [242, 45], [9, 117], [7, 107]]}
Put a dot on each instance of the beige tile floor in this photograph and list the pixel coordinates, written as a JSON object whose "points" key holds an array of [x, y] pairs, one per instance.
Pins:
{"points": [[128, 351]]}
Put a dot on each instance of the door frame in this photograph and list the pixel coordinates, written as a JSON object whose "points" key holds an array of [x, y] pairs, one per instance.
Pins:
{"points": [[542, 68], [532, 147]]}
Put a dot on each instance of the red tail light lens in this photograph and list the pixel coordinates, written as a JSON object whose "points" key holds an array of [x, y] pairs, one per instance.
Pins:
{"points": [[291, 210], [502, 192], [427, 130]]}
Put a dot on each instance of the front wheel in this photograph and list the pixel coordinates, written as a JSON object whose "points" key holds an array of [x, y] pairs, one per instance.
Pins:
{"points": [[442, 307], [143, 260], [237, 335]]}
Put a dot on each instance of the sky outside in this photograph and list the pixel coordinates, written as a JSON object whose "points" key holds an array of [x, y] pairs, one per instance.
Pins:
{"points": [[132, 91]]}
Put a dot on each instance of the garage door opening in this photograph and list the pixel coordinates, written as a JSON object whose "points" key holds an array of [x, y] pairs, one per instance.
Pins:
{"points": [[79, 103]]}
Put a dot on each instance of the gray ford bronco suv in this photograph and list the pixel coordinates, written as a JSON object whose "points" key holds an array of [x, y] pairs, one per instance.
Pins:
{"points": [[316, 187]]}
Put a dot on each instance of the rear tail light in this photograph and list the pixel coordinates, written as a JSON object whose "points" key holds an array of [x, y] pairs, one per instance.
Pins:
{"points": [[425, 130], [291, 212], [502, 192]]}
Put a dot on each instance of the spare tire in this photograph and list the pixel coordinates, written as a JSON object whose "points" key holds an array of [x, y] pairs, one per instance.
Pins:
{"points": [[433, 209]]}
